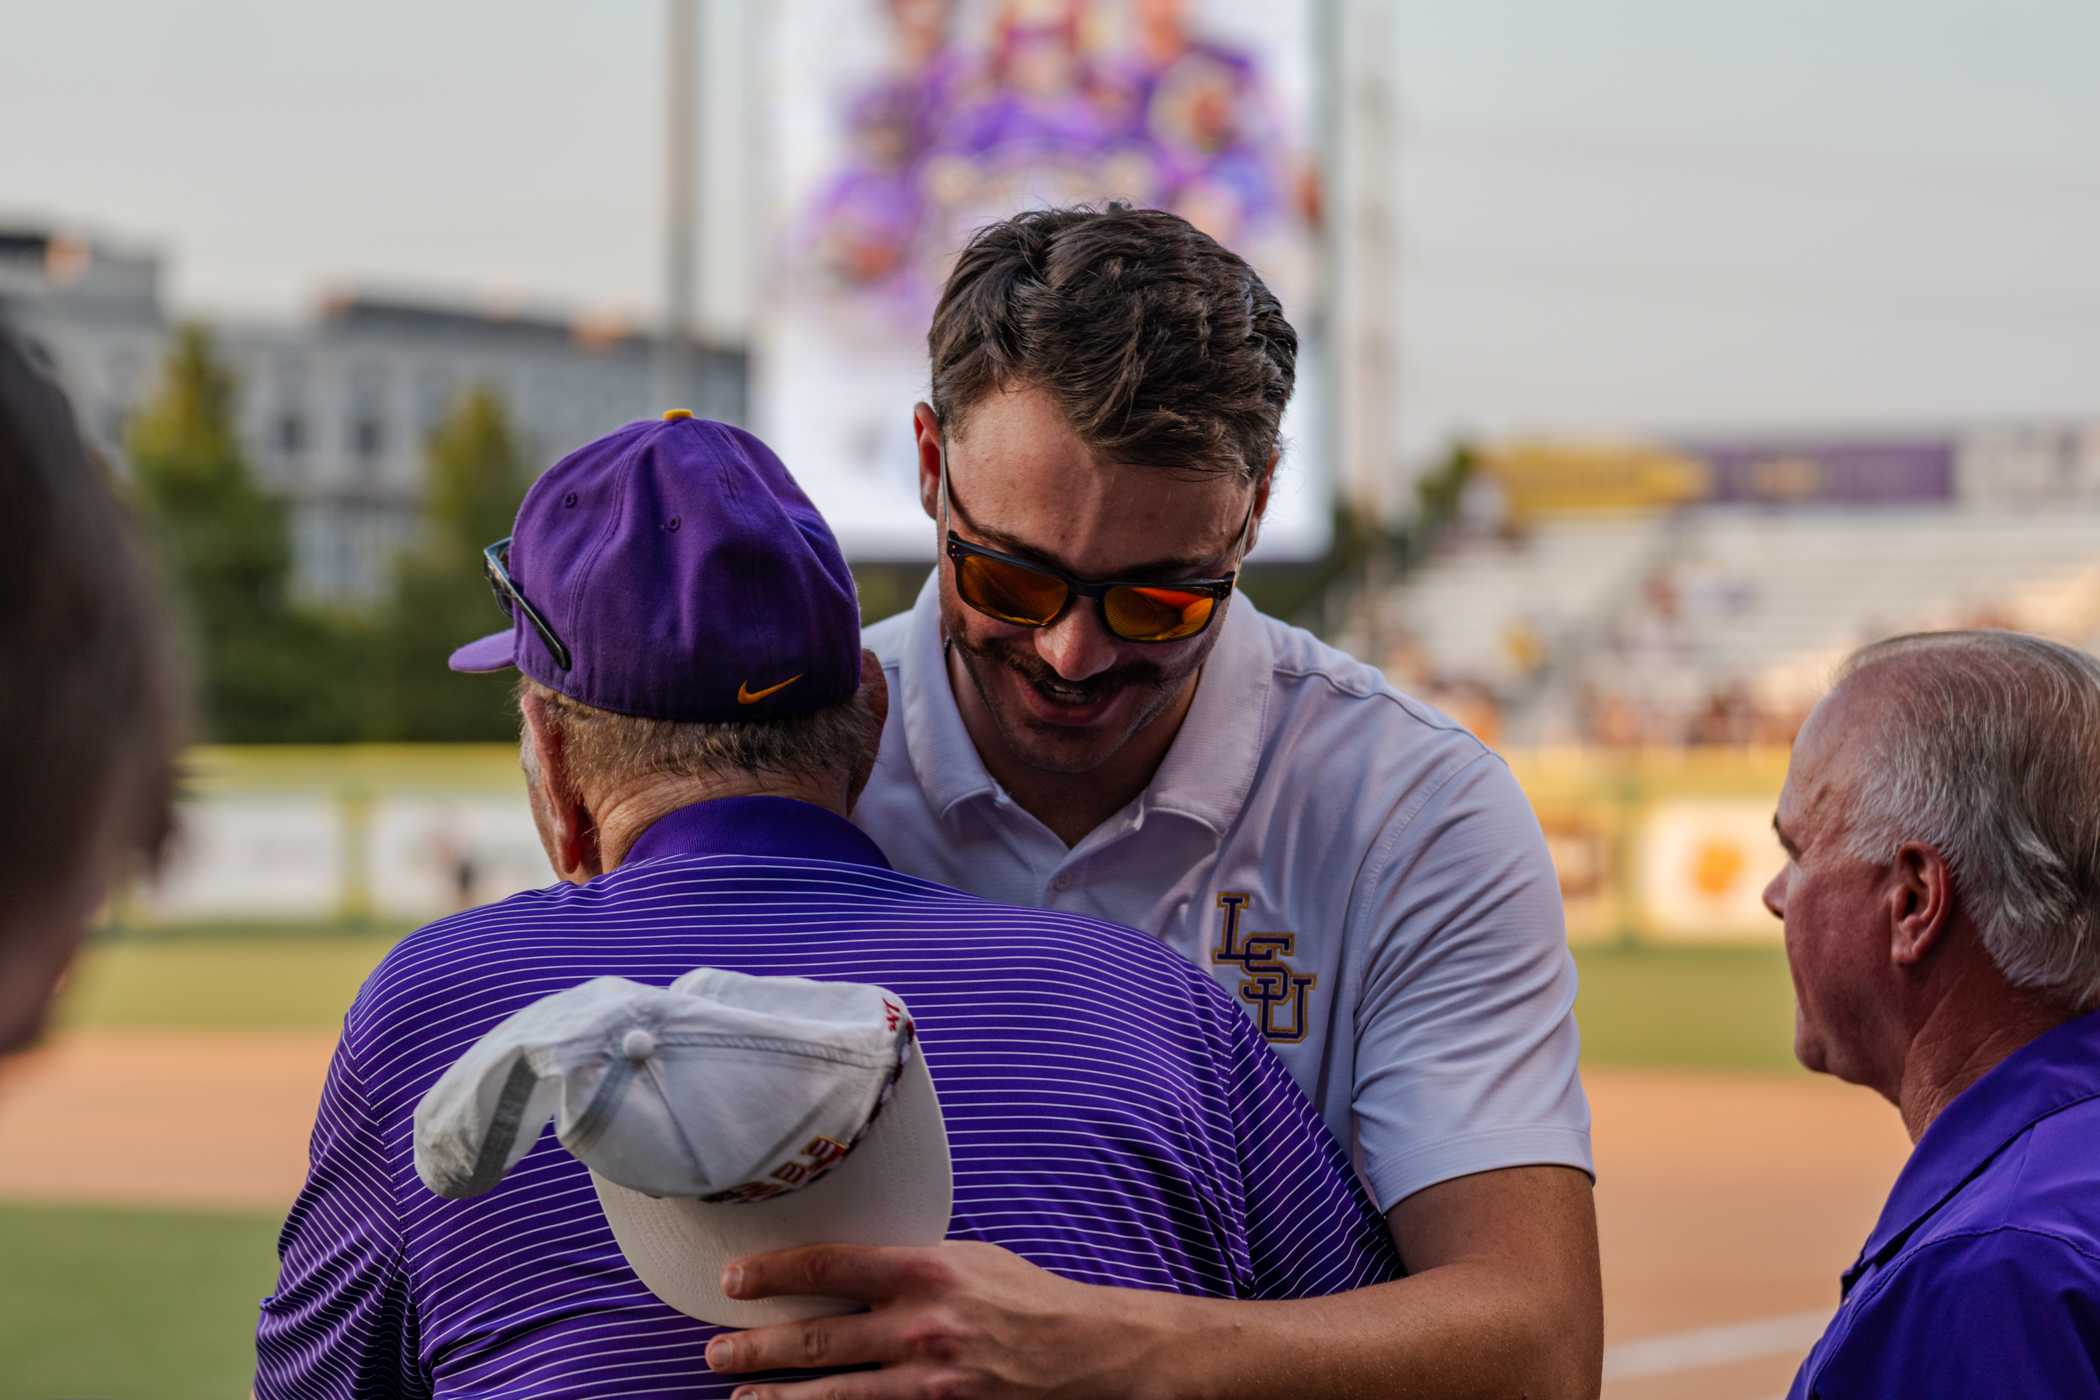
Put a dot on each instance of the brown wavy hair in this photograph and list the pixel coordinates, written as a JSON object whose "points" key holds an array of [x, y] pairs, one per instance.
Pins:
{"points": [[1161, 346]]}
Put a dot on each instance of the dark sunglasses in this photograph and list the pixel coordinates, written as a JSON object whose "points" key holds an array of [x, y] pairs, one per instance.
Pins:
{"points": [[495, 562], [1025, 593]]}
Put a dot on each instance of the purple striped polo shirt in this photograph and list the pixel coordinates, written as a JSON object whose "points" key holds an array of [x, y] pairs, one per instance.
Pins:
{"points": [[1112, 1114]]}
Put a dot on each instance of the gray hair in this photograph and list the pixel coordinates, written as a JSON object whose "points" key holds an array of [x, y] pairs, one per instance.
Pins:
{"points": [[606, 750], [1991, 755]]}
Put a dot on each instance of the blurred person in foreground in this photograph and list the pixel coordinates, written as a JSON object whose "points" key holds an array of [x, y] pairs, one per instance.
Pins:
{"points": [[1086, 718], [697, 718], [1941, 897], [91, 714]]}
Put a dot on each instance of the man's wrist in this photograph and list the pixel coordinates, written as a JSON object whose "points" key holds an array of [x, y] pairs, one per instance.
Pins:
{"points": [[1179, 1348]]}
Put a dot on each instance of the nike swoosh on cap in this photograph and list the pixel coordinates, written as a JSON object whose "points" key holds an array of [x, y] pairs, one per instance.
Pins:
{"points": [[745, 695]]}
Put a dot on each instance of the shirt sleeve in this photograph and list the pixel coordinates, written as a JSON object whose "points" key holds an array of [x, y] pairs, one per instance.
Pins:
{"points": [[1466, 1050], [2009, 1312], [340, 1323], [1310, 1228]]}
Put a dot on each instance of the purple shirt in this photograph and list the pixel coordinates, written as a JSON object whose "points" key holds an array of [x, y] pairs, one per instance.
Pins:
{"points": [[1983, 1275], [1113, 1117]]}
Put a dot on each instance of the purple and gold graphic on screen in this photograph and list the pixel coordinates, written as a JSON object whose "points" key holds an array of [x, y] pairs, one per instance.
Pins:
{"points": [[891, 131], [981, 109]]}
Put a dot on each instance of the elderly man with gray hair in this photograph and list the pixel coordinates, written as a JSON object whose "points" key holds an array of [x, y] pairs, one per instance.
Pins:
{"points": [[1941, 896]]}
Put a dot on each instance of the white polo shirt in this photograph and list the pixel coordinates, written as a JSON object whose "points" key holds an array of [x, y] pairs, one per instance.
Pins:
{"points": [[1359, 871]]}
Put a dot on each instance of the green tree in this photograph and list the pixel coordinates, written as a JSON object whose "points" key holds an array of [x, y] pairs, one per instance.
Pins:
{"points": [[439, 598], [223, 538], [476, 478], [271, 671]]}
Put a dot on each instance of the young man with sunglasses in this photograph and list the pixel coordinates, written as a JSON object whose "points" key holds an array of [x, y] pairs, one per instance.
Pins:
{"points": [[1086, 720]]}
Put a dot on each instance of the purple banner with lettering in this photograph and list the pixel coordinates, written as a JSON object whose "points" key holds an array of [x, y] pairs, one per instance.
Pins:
{"points": [[1837, 471]]}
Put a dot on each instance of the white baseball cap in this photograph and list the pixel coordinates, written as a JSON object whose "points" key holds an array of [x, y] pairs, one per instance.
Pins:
{"points": [[725, 1115]]}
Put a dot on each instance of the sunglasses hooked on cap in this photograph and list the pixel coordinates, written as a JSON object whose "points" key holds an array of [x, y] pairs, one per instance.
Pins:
{"points": [[495, 565], [674, 570]]}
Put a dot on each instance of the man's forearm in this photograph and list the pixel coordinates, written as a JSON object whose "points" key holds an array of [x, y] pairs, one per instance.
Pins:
{"points": [[1505, 1301], [1472, 1328], [1463, 1330]]}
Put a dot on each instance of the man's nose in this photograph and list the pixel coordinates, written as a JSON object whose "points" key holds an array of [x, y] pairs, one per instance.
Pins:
{"points": [[1077, 646], [1775, 895]]}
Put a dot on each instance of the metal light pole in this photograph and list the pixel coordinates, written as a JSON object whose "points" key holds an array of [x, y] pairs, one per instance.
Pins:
{"points": [[1365, 257], [675, 379]]}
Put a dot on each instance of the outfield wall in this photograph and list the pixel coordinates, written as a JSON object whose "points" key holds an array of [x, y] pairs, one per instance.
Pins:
{"points": [[1659, 847], [357, 833], [1672, 846]]}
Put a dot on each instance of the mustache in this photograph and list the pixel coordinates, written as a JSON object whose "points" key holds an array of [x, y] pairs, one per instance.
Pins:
{"points": [[1039, 673]]}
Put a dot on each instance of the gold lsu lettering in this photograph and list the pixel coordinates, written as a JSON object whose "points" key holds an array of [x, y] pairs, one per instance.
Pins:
{"points": [[1277, 993]]}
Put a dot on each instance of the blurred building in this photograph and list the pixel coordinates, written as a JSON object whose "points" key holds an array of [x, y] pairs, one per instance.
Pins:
{"points": [[334, 412]]}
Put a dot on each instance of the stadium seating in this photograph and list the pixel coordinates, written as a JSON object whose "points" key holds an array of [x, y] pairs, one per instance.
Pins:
{"points": [[1671, 609]]}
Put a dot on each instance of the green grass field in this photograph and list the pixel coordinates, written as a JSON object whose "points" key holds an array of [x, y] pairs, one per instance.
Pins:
{"points": [[1709, 1008], [130, 1304], [121, 1304], [1688, 1008], [250, 981]]}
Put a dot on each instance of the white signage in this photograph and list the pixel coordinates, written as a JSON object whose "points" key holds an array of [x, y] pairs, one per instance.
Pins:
{"points": [[257, 856], [434, 855], [1703, 869]]}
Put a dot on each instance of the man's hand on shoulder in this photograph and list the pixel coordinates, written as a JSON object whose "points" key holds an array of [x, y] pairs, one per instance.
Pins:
{"points": [[959, 1320]]}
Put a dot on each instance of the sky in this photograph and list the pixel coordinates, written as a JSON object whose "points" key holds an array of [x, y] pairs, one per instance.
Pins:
{"points": [[1616, 215]]}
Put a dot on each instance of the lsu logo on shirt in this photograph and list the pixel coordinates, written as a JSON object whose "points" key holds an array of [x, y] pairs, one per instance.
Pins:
{"points": [[1277, 994]]}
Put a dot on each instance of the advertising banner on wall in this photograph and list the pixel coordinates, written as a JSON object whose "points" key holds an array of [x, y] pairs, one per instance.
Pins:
{"points": [[1704, 864], [2019, 464], [437, 854], [1877, 471], [1578, 838], [1671, 848], [252, 856], [895, 128], [1545, 477]]}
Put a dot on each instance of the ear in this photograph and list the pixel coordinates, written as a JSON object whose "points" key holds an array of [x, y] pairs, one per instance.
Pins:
{"points": [[1921, 903], [568, 828], [926, 433], [1261, 501], [876, 686]]}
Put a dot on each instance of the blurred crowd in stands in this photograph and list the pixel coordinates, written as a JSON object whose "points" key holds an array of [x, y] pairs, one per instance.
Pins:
{"points": [[1664, 664]]}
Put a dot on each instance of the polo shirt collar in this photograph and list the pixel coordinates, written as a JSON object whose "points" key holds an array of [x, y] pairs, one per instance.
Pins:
{"points": [[1209, 769], [756, 826], [1207, 772], [943, 757], [2052, 1072]]}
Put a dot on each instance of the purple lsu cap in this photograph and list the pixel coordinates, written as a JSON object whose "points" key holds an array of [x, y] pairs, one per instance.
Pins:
{"points": [[687, 576]]}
